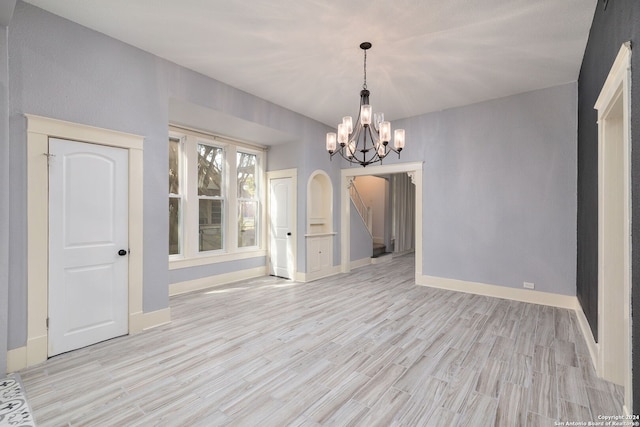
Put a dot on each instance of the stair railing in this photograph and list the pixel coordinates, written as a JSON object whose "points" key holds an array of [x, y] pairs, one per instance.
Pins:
{"points": [[365, 211]]}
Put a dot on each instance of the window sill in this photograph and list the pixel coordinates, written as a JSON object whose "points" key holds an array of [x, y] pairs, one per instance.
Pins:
{"points": [[207, 259]]}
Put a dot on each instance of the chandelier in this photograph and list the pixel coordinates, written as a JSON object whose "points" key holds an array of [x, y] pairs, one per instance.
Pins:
{"points": [[367, 141]]}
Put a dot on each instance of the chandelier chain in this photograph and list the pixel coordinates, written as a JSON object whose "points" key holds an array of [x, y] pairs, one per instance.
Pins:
{"points": [[364, 85]]}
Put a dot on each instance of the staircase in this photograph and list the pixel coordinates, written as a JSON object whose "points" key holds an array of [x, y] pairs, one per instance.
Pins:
{"points": [[379, 249], [380, 253], [361, 207]]}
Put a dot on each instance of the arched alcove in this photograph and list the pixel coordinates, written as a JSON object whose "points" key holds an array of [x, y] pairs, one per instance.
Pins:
{"points": [[319, 203], [320, 234]]}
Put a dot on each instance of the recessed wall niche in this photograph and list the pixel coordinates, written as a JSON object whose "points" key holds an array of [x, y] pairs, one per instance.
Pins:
{"points": [[319, 203]]}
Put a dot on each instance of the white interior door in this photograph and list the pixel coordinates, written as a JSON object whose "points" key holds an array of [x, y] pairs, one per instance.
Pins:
{"points": [[281, 238], [88, 244]]}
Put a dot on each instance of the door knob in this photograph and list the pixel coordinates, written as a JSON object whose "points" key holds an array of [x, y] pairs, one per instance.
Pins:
{"points": [[289, 234], [122, 252]]}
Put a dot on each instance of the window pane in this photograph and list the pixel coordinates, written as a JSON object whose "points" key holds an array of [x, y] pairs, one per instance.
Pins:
{"points": [[210, 163], [210, 225], [174, 226], [174, 166], [247, 214], [246, 164]]}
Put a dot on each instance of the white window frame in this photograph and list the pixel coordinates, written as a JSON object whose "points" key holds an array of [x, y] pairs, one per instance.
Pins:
{"points": [[191, 256], [223, 196], [180, 197], [259, 190]]}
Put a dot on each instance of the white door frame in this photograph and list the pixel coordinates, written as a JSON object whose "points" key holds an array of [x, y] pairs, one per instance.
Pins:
{"points": [[39, 129], [293, 174], [617, 87], [414, 170]]}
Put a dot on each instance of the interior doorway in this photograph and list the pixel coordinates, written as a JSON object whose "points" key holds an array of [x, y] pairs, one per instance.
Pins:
{"points": [[614, 232], [39, 131], [414, 172], [282, 233], [88, 244]]}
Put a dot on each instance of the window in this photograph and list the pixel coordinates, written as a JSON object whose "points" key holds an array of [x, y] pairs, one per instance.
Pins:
{"points": [[210, 198], [247, 199], [175, 196], [215, 199]]}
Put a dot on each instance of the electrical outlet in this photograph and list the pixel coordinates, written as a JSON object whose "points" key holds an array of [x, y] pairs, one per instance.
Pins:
{"points": [[528, 285]]}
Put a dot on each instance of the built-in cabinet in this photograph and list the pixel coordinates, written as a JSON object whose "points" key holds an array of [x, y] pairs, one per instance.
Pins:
{"points": [[319, 253], [320, 234]]}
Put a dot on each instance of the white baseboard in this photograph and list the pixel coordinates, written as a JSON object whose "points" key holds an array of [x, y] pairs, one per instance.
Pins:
{"points": [[524, 295], [16, 359], [214, 281], [309, 277], [139, 322], [360, 262], [592, 345], [36, 349]]}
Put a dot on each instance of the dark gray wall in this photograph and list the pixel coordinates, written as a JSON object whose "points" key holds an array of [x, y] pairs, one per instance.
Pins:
{"points": [[62, 70], [618, 23], [499, 196]]}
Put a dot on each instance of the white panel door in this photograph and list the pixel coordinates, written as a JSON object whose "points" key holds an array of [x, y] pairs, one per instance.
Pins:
{"points": [[281, 239], [88, 244]]}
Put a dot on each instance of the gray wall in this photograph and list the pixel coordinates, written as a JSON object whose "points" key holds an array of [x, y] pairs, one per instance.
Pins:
{"points": [[4, 199], [500, 189], [361, 241], [61, 70], [499, 177], [308, 158], [185, 274]]}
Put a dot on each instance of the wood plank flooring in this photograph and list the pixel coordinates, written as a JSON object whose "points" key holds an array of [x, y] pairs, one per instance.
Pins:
{"points": [[369, 348]]}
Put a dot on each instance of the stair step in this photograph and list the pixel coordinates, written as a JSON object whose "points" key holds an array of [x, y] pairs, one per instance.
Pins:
{"points": [[379, 249]]}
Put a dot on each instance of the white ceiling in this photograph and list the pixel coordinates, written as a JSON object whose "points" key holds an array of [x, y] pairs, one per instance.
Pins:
{"points": [[427, 55]]}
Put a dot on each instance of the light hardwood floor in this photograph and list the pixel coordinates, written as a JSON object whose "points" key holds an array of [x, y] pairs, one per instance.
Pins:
{"points": [[368, 348]]}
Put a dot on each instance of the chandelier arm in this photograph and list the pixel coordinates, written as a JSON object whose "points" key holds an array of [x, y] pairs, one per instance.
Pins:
{"points": [[362, 135], [355, 135], [373, 146]]}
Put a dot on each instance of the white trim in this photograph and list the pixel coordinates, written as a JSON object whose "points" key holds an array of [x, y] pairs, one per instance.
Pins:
{"points": [[310, 277], [181, 129], [592, 345], [39, 130], [215, 281], [326, 198], [387, 257], [413, 169], [617, 86], [278, 174], [361, 262], [515, 294], [16, 359], [144, 321], [178, 263], [524, 295], [190, 251]]}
